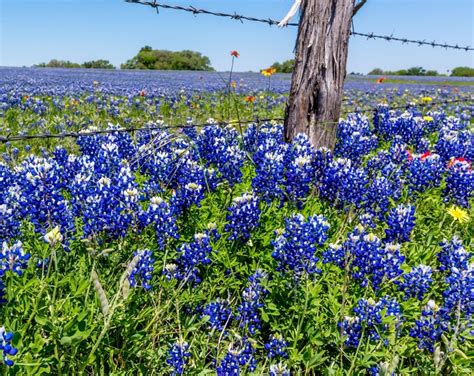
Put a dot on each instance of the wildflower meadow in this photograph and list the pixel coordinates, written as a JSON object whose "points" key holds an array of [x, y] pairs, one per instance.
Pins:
{"points": [[141, 235]]}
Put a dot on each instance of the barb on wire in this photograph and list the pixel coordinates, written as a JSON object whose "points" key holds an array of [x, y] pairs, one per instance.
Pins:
{"points": [[272, 22], [20, 137]]}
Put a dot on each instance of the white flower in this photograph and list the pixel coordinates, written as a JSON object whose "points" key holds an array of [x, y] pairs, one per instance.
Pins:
{"points": [[54, 236]]}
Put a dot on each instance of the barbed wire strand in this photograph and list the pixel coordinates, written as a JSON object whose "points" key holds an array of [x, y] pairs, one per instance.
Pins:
{"points": [[20, 137], [271, 22]]}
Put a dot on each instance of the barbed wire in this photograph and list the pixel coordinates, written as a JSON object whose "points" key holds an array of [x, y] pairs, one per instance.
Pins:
{"points": [[271, 22], [21, 137]]}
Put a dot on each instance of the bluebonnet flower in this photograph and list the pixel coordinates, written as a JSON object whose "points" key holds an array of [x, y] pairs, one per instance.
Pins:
{"points": [[269, 170], [355, 138], [367, 220], [184, 197], [299, 177], [380, 192], [342, 184], [295, 247], [243, 216], [220, 147], [240, 357], [159, 214], [368, 258], [276, 347], [368, 315], [191, 255], [252, 301], [459, 183], [42, 198], [13, 258], [428, 329], [279, 369], [381, 369], [417, 282], [459, 291], [300, 169], [452, 143], [424, 172], [177, 357], [2, 292], [453, 255], [6, 346], [401, 221], [142, 270], [219, 313]]}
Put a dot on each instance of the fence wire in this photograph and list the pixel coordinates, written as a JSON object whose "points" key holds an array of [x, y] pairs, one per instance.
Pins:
{"points": [[271, 22], [258, 121]]}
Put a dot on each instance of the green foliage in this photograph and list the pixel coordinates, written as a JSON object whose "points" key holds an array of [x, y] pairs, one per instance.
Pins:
{"points": [[285, 67], [98, 64], [413, 71], [147, 58], [54, 63], [462, 72], [94, 64]]}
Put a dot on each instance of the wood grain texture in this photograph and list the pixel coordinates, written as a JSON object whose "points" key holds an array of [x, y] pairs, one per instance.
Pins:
{"points": [[320, 68]]}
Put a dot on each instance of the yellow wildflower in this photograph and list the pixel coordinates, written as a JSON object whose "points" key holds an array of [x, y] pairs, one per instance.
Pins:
{"points": [[427, 100], [428, 118], [458, 214]]}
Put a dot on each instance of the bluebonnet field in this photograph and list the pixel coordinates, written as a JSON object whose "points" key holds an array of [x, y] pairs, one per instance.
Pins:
{"points": [[222, 249]]}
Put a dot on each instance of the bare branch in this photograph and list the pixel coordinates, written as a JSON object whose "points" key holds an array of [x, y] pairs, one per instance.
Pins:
{"points": [[358, 6]]}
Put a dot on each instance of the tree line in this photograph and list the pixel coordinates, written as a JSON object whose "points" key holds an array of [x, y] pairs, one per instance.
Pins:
{"points": [[420, 71], [147, 58]]}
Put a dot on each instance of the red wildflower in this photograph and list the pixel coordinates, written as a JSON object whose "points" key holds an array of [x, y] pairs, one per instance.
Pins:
{"points": [[142, 93], [425, 155], [234, 53], [410, 156]]}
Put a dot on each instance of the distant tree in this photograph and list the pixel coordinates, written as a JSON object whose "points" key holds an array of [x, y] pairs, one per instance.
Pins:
{"points": [[462, 72], [414, 71], [54, 63], [98, 64], [285, 67], [376, 72], [147, 58]]}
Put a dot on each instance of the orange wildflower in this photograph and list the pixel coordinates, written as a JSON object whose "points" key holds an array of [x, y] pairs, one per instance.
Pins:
{"points": [[268, 72]]}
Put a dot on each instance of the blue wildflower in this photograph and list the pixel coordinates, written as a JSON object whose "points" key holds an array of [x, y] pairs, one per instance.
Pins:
{"points": [[295, 247], [219, 313], [417, 282], [453, 255], [401, 221], [243, 216], [252, 301], [6, 346], [177, 357], [142, 269], [276, 347], [13, 258]]}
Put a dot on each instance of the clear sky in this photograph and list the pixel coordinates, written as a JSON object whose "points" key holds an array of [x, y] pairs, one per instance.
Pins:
{"points": [[34, 31]]}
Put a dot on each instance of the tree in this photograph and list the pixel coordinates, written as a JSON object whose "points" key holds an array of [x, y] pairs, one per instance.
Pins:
{"points": [[148, 58], [285, 67], [98, 64], [462, 72], [376, 72], [320, 68]]}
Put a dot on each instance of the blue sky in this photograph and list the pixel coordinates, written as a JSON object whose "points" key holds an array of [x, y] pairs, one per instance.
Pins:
{"points": [[33, 31]]}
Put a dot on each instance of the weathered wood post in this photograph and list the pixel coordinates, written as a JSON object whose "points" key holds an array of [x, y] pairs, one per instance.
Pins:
{"points": [[320, 69]]}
